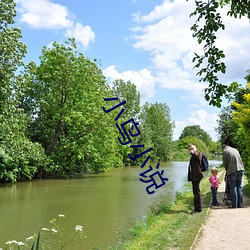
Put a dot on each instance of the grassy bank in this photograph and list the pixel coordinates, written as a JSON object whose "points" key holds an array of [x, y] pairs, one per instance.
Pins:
{"points": [[170, 227]]}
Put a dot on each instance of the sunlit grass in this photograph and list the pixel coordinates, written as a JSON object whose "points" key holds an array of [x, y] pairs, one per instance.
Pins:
{"points": [[169, 226]]}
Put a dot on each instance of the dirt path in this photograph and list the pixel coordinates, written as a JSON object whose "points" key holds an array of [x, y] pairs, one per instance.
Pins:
{"points": [[225, 228]]}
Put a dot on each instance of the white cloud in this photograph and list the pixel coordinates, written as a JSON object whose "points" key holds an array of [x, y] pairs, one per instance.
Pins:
{"points": [[208, 122], [165, 33], [44, 14], [159, 12], [83, 34], [143, 80], [234, 41], [167, 36]]}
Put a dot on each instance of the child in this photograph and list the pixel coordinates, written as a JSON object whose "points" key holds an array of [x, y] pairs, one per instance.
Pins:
{"points": [[214, 185]]}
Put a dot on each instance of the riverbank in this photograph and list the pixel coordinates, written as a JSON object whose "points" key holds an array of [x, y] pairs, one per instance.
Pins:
{"points": [[170, 227]]}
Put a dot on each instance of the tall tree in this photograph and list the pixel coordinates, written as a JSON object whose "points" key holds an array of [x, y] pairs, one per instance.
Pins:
{"points": [[19, 157], [67, 92], [127, 91], [207, 24], [12, 51], [157, 129]]}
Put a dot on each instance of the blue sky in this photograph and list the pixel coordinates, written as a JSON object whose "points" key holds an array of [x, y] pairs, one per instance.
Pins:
{"points": [[148, 42]]}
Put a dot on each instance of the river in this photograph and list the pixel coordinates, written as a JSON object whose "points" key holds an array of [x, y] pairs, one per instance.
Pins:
{"points": [[105, 204]]}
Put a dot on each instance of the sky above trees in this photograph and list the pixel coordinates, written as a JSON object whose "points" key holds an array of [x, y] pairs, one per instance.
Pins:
{"points": [[147, 42]]}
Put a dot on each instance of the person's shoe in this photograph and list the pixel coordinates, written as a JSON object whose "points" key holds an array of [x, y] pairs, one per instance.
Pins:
{"points": [[241, 206], [194, 212], [217, 204], [231, 206]]}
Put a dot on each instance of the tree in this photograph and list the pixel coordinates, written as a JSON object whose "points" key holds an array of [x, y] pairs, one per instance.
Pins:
{"points": [[20, 158], [127, 91], [208, 23], [184, 142], [229, 130], [241, 116], [157, 129], [196, 131], [66, 93], [233, 123], [227, 127], [12, 50], [215, 148]]}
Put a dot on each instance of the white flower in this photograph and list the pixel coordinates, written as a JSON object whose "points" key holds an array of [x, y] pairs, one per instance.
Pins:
{"points": [[29, 238], [78, 228], [54, 230], [20, 243], [45, 229], [61, 215], [10, 242]]}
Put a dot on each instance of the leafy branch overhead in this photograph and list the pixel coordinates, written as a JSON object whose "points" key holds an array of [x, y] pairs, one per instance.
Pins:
{"points": [[205, 28]]}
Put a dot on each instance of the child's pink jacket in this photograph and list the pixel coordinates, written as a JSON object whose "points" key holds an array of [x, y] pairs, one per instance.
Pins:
{"points": [[214, 181]]}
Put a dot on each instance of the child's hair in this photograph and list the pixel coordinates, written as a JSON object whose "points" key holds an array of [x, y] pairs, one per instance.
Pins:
{"points": [[214, 170]]}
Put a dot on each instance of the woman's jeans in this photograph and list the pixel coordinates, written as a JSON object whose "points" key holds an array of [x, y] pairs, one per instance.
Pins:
{"points": [[214, 196], [235, 182]]}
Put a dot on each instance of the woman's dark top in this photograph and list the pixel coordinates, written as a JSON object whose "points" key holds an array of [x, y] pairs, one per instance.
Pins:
{"points": [[194, 169]]}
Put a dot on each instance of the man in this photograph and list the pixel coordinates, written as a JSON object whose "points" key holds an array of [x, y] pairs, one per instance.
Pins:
{"points": [[195, 175], [235, 169]]}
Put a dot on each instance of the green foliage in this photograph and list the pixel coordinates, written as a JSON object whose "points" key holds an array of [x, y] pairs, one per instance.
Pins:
{"points": [[230, 130], [233, 123], [127, 91], [237, 8], [227, 127], [36, 243], [196, 131], [241, 116], [178, 154], [210, 20], [20, 159], [201, 146], [157, 130], [12, 50], [205, 28], [215, 147], [181, 154], [66, 94]]}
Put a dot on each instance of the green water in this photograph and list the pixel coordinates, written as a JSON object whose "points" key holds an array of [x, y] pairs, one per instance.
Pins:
{"points": [[104, 204]]}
